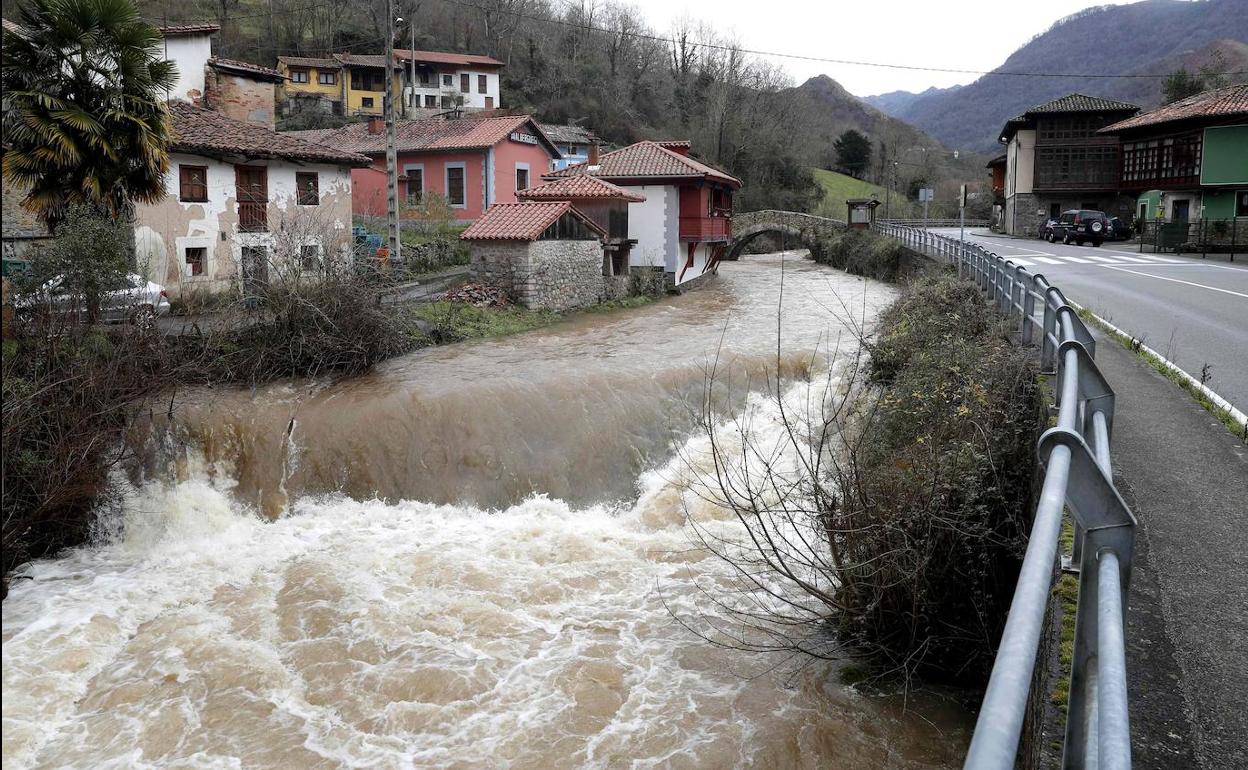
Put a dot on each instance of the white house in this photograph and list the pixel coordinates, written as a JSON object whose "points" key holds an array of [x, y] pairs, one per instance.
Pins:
{"points": [[444, 80], [243, 203], [684, 224]]}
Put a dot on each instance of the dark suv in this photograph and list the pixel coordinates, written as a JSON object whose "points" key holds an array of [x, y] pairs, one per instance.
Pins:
{"points": [[1080, 226]]}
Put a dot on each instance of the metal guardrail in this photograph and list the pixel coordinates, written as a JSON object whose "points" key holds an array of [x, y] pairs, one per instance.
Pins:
{"points": [[1077, 475], [934, 222]]}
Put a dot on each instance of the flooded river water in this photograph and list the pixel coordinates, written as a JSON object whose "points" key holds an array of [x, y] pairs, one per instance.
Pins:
{"points": [[473, 557]]}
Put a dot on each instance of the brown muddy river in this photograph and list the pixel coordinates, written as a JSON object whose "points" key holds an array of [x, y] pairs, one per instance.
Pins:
{"points": [[477, 556]]}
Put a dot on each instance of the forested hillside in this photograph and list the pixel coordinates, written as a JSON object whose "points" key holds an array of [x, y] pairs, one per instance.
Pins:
{"points": [[1150, 37], [601, 65]]}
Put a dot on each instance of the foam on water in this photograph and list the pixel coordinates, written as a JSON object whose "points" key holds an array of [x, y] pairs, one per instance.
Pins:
{"points": [[362, 634]]}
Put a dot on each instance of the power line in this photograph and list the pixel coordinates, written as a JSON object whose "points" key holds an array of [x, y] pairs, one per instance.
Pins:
{"points": [[731, 48]]}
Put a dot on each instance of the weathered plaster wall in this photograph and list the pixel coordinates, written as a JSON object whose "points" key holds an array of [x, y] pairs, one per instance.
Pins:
{"points": [[191, 53], [655, 225], [165, 230]]}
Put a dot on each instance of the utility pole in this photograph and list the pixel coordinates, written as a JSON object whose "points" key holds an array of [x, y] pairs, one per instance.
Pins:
{"points": [[392, 159], [411, 82]]}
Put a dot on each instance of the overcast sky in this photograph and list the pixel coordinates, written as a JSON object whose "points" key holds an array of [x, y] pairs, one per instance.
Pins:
{"points": [[955, 34]]}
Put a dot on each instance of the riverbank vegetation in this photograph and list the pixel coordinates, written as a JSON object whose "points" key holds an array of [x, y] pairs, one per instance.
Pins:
{"points": [[901, 508], [861, 252]]}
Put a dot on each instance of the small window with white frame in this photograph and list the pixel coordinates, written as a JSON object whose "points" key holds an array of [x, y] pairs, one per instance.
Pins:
{"points": [[298, 76], [327, 78]]}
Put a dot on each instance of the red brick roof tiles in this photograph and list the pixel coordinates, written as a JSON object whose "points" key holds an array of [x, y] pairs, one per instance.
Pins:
{"points": [[204, 132], [310, 61], [246, 68], [582, 187], [447, 57], [522, 221], [1217, 103], [436, 134], [647, 160]]}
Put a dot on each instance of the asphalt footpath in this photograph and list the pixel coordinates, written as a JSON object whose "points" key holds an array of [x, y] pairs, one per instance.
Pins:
{"points": [[1185, 477]]}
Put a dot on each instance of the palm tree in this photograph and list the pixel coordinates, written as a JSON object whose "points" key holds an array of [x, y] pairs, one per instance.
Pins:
{"points": [[85, 122]]}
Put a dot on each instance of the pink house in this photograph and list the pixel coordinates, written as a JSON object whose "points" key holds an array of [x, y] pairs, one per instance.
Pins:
{"points": [[473, 162]]}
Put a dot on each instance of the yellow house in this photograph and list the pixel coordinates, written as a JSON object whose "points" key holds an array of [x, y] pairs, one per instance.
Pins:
{"points": [[425, 82], [311, 83]]}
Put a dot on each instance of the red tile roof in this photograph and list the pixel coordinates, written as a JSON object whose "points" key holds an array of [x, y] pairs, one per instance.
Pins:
{"points": [[437, 134], [245, 68], [309, 61], [576, 188], [175, 30], [522, 221], [204, 132], [1218, 103], [447, 57], [647, 160]]}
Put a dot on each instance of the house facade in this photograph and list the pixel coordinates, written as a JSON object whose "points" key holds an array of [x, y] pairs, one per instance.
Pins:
{"points": [[1187, 160], [244, 204], [604, 204], [685, 222], [424, 83], [470, 162], [575, 144], [1057, 159]]}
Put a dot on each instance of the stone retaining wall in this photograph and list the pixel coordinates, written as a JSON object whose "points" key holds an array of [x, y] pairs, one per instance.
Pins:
{"points": [[547, 275]]}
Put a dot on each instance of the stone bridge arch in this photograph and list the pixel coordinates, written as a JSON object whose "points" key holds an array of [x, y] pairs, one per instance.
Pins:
{"points": [[806, 229]]}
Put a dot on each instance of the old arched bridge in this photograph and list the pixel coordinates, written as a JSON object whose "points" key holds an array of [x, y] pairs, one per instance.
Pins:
{"points": [[806, 229]]}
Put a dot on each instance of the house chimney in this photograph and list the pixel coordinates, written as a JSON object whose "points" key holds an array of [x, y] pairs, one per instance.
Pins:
{"points": [[376, 125], [593, 153]]}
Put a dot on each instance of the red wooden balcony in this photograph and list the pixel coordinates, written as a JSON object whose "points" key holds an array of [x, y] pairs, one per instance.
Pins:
{"points": [[705, 229]]}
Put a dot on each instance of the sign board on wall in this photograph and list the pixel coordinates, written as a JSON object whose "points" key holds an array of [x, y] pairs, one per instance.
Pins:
{"points": [[517, 136]]}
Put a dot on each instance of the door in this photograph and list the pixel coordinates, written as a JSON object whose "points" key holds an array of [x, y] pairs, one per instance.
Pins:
{"points": [[255, 270], [489, 102], [1180, 211], [251, 186]]}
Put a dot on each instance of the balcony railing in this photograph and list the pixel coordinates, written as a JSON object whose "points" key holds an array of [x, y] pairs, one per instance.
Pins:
{"points": [[253, 217], [705, 228]]}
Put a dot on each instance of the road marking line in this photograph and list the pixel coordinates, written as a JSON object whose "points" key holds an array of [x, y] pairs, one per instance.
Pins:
{"points": [[1107, 260], [1021, 262], [1176, 280], [1125, 258], [1077, 260], [1149, 258], [1049, 260]]}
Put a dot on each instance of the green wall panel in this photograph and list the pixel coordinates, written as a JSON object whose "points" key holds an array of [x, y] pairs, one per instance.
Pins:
{"points": [[1225, 156]]}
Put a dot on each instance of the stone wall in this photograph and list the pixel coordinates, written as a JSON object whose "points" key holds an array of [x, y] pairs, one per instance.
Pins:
{"points": [[546, 275]]}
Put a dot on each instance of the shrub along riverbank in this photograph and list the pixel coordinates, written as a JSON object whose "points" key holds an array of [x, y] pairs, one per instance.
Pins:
{"points": [[71, 390]]}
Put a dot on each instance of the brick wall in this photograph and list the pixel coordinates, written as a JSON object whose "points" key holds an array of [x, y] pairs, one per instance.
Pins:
{"points": [[240, 98]]}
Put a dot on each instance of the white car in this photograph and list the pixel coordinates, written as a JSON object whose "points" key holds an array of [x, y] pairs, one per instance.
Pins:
{"points": [[132, 299]]}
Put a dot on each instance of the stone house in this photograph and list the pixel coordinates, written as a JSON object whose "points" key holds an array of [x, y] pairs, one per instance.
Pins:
{"points": [[1057, 160], [241, 91], [545, 255], [605, 204]]}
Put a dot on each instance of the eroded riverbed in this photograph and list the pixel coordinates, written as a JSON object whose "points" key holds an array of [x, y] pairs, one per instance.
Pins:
{"points": [[473, 557]]}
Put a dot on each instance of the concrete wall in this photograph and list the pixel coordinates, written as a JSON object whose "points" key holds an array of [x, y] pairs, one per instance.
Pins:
{"points": [[655, 225], [1020, 165], [164, 230], [546, 275]]}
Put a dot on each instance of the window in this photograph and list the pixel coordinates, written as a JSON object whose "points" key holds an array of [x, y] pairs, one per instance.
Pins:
{"points": [[310, 257], [415, 185], [431, 101], [1241, 203], [448, 80], [1055, 210], [327, 78], [522, 178], [463, 82], [195, 258], [307, 188], [367, 102], [298, 76], [448, 102], [481, 84], [193, 183], [455, 185]]}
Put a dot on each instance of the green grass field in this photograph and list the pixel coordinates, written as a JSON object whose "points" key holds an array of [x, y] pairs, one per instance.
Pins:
{"points": [[837, 188]]}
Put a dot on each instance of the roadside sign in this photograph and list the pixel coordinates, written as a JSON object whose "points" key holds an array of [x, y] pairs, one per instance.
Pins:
{"points": [[962, 197], [927, 194]]}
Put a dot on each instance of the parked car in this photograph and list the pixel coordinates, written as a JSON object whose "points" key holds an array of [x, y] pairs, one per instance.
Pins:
{"points": [[1081, 226], [131, 298], [1046, 229], [1119, 230]]}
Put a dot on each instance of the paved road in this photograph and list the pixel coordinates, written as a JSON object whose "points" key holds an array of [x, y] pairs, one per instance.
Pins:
{"points": [[1193, 311]]}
